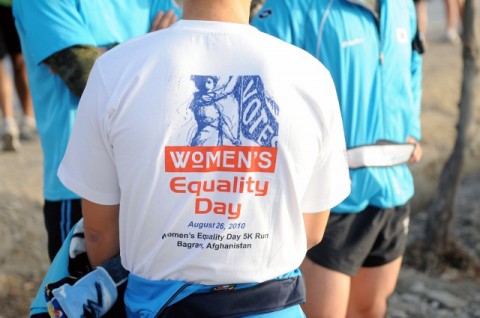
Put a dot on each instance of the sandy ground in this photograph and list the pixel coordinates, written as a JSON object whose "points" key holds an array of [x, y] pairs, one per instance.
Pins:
{"points": [[23, 254]]}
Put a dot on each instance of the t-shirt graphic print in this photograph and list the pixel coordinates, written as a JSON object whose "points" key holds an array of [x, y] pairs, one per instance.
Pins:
{"points": [[234, 130], [228, 110]]}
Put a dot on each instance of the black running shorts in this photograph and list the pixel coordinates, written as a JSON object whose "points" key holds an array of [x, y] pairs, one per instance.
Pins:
{"points": [[60, 217], [371, 238]]}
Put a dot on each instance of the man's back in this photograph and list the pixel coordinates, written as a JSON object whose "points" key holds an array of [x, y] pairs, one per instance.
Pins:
{"points": [[240, 132]]}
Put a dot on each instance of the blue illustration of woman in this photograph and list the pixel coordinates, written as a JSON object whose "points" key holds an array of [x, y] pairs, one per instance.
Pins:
{"points": [[212, 125]]}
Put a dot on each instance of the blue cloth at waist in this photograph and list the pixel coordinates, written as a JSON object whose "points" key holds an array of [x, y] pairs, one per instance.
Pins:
{"points": [[145, 298]]}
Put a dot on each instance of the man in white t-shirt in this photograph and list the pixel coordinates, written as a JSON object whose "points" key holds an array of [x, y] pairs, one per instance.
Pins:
{"points": [[242, 156]]}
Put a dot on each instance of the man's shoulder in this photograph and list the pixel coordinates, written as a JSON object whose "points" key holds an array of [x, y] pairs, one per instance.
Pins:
{"points": [[297, 58], [130, 48]]}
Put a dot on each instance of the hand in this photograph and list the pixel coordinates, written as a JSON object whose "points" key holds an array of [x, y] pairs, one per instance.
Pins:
{"points": [[163, 20], [417, 152]]}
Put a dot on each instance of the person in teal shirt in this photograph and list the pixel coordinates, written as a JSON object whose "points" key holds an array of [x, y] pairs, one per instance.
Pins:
{"points": [[372, 51], [60, 42]]}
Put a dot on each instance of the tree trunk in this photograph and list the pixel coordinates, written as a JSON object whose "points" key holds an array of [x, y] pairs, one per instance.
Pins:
{"points": [[440, 212]]}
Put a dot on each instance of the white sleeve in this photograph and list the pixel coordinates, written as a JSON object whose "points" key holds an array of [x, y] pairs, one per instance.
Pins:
{"points": [[88, 166], [330, 180]]}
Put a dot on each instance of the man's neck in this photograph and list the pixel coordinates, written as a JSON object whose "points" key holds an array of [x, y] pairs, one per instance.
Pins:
{"points": [[234, 11]]}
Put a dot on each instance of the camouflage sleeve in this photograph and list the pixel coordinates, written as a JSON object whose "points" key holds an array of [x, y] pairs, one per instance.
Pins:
{"points": [[73, 65]]}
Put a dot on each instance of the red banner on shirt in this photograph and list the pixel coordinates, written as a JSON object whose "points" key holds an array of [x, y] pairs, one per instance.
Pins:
{"points": [[220, 158]]}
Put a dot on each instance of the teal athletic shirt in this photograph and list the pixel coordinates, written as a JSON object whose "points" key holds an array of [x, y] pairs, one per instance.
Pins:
{"points": [[377, 76], [46, 27]]}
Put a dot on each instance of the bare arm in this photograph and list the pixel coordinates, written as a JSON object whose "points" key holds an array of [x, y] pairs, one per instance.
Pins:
{"points": [[101, 231], [315, 224], [227, 87]]}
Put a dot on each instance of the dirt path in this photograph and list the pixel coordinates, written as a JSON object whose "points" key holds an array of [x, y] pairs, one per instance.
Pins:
{"points": [[23, 257]]}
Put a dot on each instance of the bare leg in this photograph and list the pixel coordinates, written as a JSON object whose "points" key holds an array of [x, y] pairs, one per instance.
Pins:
{"points": [[371, 288], [21, 84], [451, 7], [327, 291], [8, 126], [452, 16], [422, 16], [461, 4], [6, 92], [28, 127]]}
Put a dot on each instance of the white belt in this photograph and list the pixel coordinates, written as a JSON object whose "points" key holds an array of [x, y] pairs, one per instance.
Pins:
{"points": [[381, 154]]}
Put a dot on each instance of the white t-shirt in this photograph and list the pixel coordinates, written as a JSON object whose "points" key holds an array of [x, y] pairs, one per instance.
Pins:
{"points": [[213, 138]]}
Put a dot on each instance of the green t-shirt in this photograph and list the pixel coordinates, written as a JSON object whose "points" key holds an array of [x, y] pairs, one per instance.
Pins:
{"points": [[6, 3]]}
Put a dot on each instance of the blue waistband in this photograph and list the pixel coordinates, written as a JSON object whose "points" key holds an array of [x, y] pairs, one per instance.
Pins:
{"points": [[145, 298]]}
